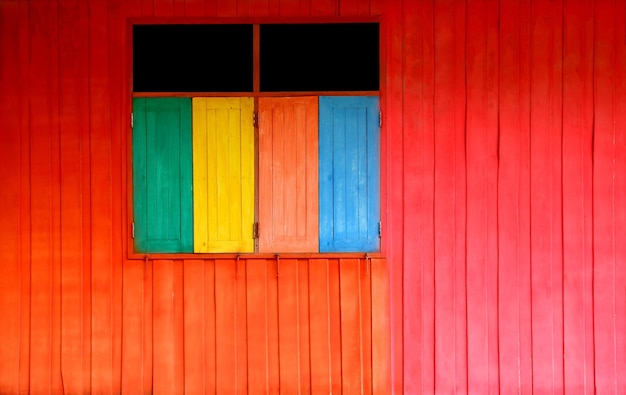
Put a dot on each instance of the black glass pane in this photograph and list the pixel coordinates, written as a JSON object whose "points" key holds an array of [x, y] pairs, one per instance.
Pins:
{"points": [[320, 57], [192, 58]]}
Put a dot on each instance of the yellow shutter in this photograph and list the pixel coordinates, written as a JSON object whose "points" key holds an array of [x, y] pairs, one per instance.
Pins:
{"points": [[223, 174]]}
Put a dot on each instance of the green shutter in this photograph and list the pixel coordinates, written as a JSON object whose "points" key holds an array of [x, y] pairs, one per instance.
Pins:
{"points": [[162, 171]]}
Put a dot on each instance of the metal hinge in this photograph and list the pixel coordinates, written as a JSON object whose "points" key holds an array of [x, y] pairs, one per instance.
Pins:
{"points": [[132, 230], [255, 119], [255, 230], [132, 120], [380, 230], [380, 119]]}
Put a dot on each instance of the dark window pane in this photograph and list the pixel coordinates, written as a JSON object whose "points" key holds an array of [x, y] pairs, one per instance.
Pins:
{"points": [[320, 57], [192, 58]]}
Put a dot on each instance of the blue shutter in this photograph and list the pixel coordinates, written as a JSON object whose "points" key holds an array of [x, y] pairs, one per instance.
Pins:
{"points": [[349, 175], [162, 169]]}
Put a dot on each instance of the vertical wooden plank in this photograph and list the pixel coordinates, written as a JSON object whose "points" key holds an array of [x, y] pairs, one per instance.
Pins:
{"points": [[25, 252], [335, 326], [449, 215], [194, 8], [241, 326], [381, 328], [577, 197], [148, 327], [351, 348], [226, 354], [119, 131], [209, 329], [324, 8], [605, 292], [513, 201], [304, 326], [164, 8], [273, 341], [546, 220], [100, 157], [195, 341], [620, 190], [163, 342], [288, 175], [259, 7], [10, 308], [366, 323], [132, 341], [288, 326], [226, 8], [42, 249], [319, 321], [256, 286], [482, 165], [71, 78], [223, 160]]}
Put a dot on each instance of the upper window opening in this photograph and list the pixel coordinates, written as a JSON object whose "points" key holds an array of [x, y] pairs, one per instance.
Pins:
{"points": [[319, 57], [192, 58]]}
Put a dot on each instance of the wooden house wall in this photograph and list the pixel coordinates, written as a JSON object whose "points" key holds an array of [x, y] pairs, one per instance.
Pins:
{"points": [[504, 215]]}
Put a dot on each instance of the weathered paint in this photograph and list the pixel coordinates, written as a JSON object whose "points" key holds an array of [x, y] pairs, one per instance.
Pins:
{"points": [[288, 159], [527, 176]]}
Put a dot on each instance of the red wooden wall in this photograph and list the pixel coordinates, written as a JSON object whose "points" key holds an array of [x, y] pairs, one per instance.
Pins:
{"points": [[504, 211]]}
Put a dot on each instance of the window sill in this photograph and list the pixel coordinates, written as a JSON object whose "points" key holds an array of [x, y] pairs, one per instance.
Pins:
{"points": [[251, 256]]}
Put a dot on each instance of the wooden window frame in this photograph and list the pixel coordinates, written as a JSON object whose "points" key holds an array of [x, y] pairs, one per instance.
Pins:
{"points": [[255, 94]]}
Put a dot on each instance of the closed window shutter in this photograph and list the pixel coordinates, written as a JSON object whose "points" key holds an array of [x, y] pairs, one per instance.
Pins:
{"points": [[288, 171], [223, 174], [162, 194], [349, 168]]}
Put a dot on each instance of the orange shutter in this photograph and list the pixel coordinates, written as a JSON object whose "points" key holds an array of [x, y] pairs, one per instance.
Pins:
{"points": [[288, 197]]}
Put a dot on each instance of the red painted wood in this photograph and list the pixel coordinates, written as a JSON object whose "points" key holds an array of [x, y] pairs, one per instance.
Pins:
{"points": [[605, 237], [259, 7], [194, 8], [226, 8], [10, 306], [546, 208], [366, 323], [482, 227], [324, 8], [226, 349], [166, 354], [450, 347], [319, 321], [304, 326], [513, 202], [577, 195], [147, 364], [209, 327], [273, 368]]}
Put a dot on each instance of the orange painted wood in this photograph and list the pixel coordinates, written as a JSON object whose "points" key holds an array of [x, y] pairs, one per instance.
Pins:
{"points": [[381, 328], [72, 87], [194, 330], [241, 327], [168, 365], [257, 341], [351, 338], [546, 198], [605, 267], [42, 223], [289, 326], [10, 305], [513, 202], [482, 227], [365, 270], [147, 365], [288, 175], [101, 201], [25, 195], [273, 364], [304, 326], [133, 329], [577, 198], [226, 349], [319, 326], [210, 328], [335, 325]]}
